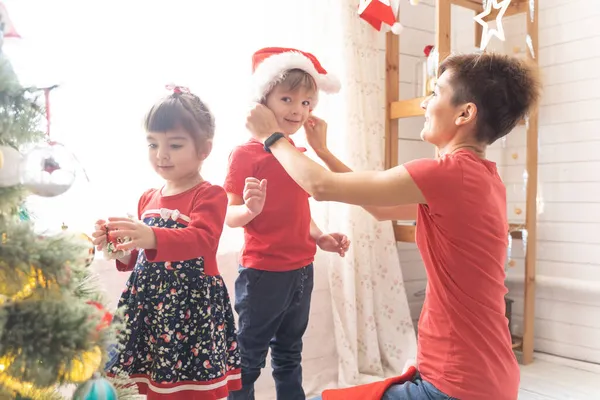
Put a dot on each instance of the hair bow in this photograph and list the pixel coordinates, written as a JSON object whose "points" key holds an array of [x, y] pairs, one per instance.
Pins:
{"points": [[178, 89]]}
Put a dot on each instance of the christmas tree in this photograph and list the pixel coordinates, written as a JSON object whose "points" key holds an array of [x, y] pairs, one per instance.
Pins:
{"points": [[54, 329]]}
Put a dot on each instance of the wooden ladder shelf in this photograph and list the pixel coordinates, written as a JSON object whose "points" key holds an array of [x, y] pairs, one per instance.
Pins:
{"points": [[397, 109]]}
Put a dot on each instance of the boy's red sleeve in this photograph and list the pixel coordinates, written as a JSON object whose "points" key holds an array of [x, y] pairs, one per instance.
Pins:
{"points": [[202, 234], [144, 198], [240, 167]]}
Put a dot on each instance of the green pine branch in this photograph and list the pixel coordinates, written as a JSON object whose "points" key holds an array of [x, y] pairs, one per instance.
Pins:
{"points": [[20, 113]]}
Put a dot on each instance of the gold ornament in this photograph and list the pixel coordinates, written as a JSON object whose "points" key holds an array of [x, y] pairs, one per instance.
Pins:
{"points": [[89, 252], [83, 368]]}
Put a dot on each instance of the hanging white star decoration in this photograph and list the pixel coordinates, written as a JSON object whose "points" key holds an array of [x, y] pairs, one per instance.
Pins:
{"points": [[487, 33]]}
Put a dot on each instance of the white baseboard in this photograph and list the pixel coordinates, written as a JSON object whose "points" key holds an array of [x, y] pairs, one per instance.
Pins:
{"points": [[568, 362]]}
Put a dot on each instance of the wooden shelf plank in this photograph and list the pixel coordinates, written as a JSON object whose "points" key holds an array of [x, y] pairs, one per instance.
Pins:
{"points": [[405, 233], [514, 8], [407, 108], [470, 4]]}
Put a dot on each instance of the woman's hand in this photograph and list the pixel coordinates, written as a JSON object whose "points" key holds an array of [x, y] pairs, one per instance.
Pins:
{"points": [[316, 134], [261, 122]]}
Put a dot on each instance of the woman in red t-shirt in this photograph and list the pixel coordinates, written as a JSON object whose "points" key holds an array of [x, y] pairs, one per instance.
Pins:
{"points": [[464, 345]]}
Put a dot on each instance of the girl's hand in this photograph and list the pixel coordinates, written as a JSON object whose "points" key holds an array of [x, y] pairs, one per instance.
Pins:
{"points": [[334, 243], [141, 235], [316, 133], [99, 234]]}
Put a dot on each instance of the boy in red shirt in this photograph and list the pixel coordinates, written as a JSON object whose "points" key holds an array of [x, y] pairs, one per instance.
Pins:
{"points": [[464, 344], [274, 286]]}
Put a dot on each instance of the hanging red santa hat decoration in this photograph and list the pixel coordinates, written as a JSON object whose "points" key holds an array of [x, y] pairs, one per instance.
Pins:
{"points": [[381, 14]]}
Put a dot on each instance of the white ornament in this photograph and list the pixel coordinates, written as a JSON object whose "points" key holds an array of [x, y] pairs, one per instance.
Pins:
{"points": [[10, 173], [487, 33], [48, 170]]}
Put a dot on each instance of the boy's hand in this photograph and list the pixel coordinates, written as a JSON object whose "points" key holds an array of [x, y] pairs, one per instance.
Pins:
{"points": [[141, 235], [334, 243], [255, 193], [316, 133], [99, 234]]}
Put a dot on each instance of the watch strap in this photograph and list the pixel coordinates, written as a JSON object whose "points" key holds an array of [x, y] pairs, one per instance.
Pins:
{"points": [[272, 139]]}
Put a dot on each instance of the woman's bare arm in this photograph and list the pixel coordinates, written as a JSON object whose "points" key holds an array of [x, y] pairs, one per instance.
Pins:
{"points": [[375, 188], [381, 213]]}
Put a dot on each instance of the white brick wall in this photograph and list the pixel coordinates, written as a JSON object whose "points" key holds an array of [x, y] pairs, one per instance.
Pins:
{"points": [[567, 319]]}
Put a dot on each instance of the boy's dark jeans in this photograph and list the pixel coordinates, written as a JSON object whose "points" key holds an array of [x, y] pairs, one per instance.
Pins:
{"points": [[273, 310]]}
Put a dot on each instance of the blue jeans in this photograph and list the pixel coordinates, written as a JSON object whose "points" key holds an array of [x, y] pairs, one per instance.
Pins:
{"points": [[273, 310], [417, 389]]}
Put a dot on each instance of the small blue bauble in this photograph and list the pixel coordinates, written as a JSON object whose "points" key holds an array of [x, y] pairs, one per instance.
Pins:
{"points": [[97, 388]]}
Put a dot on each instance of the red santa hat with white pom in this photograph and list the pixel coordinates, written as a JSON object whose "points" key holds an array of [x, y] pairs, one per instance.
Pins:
{"points": [[270, 63]]}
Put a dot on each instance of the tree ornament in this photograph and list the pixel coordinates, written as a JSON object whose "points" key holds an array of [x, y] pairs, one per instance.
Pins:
{"points": [[487, 33], [82, 369], [89, 250], [9, 171], [48, 170], [110, 249], [97, 388], [106, 315]]}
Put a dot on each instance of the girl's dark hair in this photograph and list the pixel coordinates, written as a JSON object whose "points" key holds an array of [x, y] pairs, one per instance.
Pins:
{"points": [[182, 110], [504, 89]]}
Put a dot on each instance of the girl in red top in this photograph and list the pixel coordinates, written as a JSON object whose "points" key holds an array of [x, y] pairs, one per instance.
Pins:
{"points": [[464, 343], [180, 340]]}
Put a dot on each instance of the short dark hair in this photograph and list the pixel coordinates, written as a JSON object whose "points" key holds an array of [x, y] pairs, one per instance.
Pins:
{"points": [[182, 111], [504, 89]]}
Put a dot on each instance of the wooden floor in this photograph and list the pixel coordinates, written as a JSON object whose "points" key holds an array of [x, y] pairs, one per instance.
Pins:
{"points": [[553, 378], [547, 378]]}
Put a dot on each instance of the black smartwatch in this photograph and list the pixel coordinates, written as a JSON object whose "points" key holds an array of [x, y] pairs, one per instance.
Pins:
{"points": [[272, 139]]}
